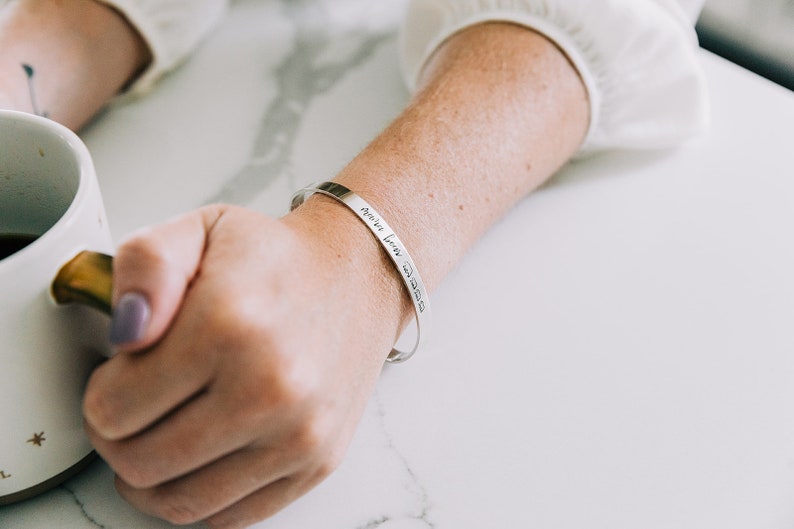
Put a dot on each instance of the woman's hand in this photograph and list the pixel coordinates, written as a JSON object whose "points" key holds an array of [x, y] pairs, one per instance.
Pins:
{"points": [[252, 346]]}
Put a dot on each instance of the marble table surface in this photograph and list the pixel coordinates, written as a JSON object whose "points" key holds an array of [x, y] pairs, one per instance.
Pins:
{"points": [[616, 353]]}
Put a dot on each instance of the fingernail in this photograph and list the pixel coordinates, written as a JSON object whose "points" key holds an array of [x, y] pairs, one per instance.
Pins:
{"points": [[130, 318]]}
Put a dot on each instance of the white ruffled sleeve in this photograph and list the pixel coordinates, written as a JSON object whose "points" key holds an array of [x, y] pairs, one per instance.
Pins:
{"points": [[171, 28], [637, 59]]}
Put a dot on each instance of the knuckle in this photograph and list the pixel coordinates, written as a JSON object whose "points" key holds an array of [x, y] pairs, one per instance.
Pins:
{"points": [[149, 252], [135, 474], [178, 510], [268, 378], [141, 247], [276, 384], [311, 438], [326, 467], [290, 391], [102, 411], [269, 395], [96, 410], [235, 319], [287, 390]]}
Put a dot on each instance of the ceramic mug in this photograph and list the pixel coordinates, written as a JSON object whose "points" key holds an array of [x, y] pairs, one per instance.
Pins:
{"points": [[49, 193]]}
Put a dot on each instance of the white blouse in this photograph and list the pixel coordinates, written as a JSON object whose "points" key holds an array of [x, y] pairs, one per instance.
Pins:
{"points": [[637, 57]]}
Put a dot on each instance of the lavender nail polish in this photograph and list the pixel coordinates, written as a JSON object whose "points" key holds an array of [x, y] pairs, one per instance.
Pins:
{"points": [[130, 319]]}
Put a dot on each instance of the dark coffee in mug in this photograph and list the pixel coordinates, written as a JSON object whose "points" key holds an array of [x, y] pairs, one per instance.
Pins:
{"points": [[11, 243]]}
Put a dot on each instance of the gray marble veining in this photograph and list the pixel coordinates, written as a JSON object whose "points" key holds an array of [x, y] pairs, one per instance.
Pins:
{"points": [[422, 505], [80, 504], [300, 78]]}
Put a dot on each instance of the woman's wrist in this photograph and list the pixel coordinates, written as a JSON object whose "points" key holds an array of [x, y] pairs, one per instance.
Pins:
{"points": [[338, 237], [66, 59], [393, 247]]}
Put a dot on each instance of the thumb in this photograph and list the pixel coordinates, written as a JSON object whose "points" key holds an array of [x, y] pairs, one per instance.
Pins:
{"points": [[152, 271]]}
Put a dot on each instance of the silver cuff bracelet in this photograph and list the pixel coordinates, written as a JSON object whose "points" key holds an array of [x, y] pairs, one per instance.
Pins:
{"points": [[393, 247]]}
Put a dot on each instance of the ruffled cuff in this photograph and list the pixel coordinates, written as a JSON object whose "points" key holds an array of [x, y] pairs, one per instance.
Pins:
{"points": [[637, 59], [171, 29]]}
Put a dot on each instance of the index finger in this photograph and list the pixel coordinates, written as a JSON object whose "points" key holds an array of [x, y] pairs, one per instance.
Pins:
{"points": [[152, 270]]}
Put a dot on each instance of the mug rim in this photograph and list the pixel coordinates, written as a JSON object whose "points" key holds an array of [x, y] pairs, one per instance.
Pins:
{"points": [[85, 171]]}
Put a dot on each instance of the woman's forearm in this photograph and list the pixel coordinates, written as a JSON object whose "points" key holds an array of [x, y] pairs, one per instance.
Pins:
{"points": [[65, 59], [499, 110]]}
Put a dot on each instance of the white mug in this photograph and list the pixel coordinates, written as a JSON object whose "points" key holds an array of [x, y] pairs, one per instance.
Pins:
{"points": [[49, 191]]}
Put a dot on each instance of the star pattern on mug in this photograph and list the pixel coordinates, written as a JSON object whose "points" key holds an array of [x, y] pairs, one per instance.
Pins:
{"points": [[3, 475], [37, 439]]}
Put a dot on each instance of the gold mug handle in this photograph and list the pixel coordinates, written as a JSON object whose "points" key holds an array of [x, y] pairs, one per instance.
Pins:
{"points": [[86, 279]]}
